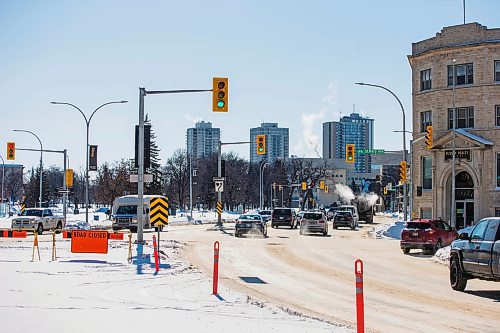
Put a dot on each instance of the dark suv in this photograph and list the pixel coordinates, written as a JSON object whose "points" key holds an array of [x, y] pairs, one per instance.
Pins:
{"points": [[284, 217]]}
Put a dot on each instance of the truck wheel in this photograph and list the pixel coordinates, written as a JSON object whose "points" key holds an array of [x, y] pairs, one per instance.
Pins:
{"points": [[406, 250], [59, 227], [39, 230], [457, 279]]}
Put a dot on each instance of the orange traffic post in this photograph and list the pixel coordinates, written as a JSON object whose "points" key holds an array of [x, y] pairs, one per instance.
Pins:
{"points": [[157, 264], [54, 254], [130, 247], [216, 267], [360, 306], [35, 244]]}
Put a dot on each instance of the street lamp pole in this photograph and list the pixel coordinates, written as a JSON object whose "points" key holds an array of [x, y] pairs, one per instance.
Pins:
{"points": [[405, 194], [41, 161], [3, 175], [453, 216], [87, 122]]}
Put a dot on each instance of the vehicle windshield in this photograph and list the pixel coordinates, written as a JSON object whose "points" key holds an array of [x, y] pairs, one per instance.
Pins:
{"points": [[418, 225], [351, 209], [286, 212], [131, 210], [250, 218], [313, 216], [265, 212], [33, 212], [343, 213]]}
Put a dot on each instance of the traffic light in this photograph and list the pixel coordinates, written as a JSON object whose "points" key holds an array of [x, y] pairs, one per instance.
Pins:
{"points": [[385, 190], [322, 184], [11, 150], [219, 94], [325, 189], [349, 153], [223, 168], [261, 144], [428, 137], [304, 186], [402, 171], [69, 177]]}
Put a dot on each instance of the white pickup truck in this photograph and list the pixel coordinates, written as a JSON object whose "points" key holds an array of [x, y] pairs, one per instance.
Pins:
{"points": [[38, 219]]}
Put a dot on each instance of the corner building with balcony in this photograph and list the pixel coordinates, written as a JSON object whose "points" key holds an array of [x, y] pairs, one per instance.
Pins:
{"points": [[457, 72]]}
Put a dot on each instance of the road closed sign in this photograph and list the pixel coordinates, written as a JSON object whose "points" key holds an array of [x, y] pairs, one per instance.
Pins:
{"points": [[86, 241]]}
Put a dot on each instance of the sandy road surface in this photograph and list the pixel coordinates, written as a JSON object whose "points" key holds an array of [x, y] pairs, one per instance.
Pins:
{"points": [[314, 275]]}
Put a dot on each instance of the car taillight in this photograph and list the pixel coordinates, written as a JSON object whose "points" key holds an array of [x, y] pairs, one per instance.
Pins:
{"points": [[321, 221]]}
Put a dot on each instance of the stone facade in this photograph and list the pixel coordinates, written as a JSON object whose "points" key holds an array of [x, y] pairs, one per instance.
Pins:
{"points": [[477, 135]]}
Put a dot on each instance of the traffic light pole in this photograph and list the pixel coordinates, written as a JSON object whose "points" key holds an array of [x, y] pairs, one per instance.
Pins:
{"points": [[219, 171], [65, 193]]}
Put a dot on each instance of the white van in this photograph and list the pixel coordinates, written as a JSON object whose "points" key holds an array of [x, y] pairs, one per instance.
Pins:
{"points": [[124, 212]]}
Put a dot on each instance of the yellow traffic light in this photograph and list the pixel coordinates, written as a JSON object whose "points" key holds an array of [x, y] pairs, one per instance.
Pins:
{"points": [[349, 153], [402, 171], [428, 137], [304, 186], [325, 189], [219, 94], [385, 190], [69, 177], [261, 144], [322, 184], [11, 150]]}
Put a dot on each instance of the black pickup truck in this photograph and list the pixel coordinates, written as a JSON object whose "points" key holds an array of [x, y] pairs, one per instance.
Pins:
{"points": [[476, 256]]}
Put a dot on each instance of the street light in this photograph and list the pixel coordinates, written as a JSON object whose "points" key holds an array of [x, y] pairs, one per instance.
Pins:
{"points": [[41, 160], [405, 199], [87, 122], [3, 175]]}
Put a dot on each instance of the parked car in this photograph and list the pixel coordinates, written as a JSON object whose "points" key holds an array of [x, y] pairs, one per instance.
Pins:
{"points": [[266, 214], [314, 222], [253, 224], [427, 235], [343, 218], [284, 217], [354, 212], [476, 256]]}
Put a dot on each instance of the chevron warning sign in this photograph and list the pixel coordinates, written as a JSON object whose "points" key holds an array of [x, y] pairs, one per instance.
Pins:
{"points": [[219, 207], [158, 211]]}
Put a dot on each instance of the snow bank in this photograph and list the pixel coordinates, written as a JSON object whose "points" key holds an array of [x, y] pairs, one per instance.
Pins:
{"points": [[388, 231], [442, 255]]}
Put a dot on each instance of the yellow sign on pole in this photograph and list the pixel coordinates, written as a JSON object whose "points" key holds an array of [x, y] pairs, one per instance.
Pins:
{"points": [[69, 177], [158, 211]]}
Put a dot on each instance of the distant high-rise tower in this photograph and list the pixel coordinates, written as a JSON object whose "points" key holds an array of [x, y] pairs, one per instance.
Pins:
{"points": [[202, 140], [350, 129], [277, 142]]}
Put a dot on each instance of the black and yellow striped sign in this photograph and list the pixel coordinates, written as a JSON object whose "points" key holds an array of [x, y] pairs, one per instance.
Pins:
{"points": [[158, 211], [23, 208], [219, 207]]}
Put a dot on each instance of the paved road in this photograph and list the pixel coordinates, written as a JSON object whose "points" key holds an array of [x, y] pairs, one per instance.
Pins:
{"points": [[314, 275]]}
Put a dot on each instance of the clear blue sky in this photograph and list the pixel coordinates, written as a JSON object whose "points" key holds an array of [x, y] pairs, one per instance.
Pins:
{"points": [[291, 62]]}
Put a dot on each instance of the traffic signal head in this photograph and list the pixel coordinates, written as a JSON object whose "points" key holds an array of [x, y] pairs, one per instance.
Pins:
{"points": [[303, 186], [261, 144], [219, 94], [11, 150], [402, 171], [349, 153], [428, 137]]}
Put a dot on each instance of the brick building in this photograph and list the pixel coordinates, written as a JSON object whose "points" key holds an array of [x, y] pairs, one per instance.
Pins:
{"points": [[457, 72]]}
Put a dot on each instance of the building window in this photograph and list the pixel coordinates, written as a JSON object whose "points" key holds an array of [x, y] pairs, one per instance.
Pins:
{"points": [[464, 74], [425, 213], [427, 173], [497, 212], [497, 71], [425, 120], [497, 115], [425, 80], [464, 117], [498, 169]]}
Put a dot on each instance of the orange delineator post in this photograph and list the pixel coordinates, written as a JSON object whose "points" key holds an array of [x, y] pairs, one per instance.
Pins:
{"points": [[360, 306], [216, 267], [157, 264]]}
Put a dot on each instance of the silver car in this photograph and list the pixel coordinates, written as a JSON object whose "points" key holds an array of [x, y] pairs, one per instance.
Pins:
{"points": [[314, 221]]}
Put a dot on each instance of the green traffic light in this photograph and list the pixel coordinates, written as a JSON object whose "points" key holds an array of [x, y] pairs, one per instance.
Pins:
{"points": [[220, 104], [261, 149]]}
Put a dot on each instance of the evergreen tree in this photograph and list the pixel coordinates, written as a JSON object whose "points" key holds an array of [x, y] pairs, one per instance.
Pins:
{"points": [[155, 167]]}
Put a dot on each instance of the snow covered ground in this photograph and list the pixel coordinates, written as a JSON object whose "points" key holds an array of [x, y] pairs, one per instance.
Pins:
{"points": [[94, 292]]}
